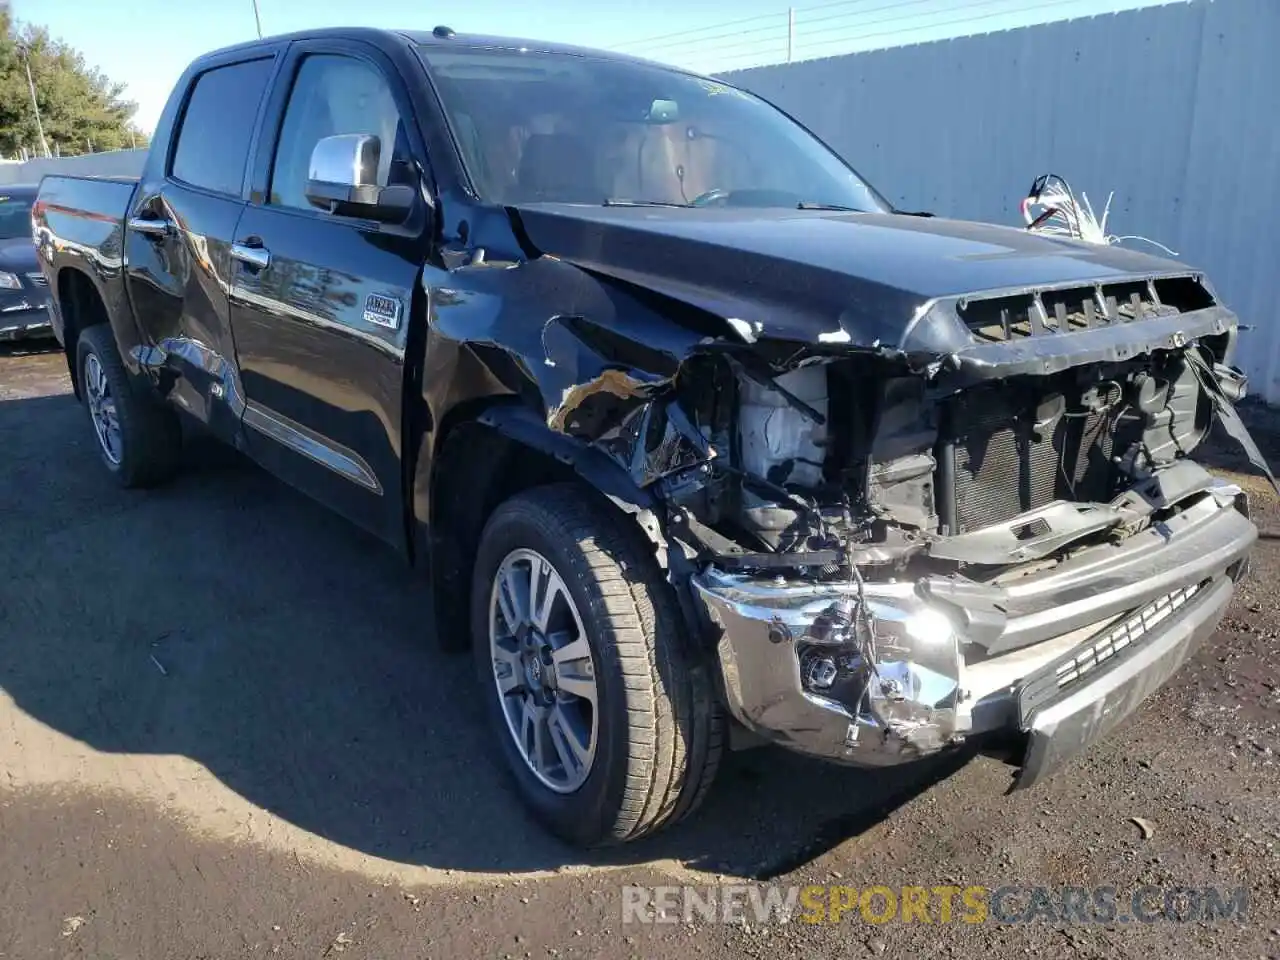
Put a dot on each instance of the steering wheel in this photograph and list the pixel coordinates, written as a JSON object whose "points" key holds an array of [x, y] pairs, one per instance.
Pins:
{"points": [[709, 197]]}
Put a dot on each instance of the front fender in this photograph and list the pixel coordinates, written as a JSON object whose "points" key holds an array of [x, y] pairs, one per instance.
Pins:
{"points": [[601, 471]]}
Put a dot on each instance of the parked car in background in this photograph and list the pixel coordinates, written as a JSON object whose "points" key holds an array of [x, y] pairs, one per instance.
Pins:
{"points": [[24, 292], [689, 425]]}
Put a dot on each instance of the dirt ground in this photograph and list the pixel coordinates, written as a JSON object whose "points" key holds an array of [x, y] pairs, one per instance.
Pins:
{"points": [[225, 732]]}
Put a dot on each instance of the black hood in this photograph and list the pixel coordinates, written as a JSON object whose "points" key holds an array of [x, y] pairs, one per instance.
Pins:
{"points": [[18, 255], [809, 276]]}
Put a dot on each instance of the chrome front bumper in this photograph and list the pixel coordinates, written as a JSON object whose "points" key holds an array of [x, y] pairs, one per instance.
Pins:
{"points": [[22, 320], [950, 661]]}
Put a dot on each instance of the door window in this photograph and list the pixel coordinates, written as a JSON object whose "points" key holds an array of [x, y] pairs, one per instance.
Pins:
{"points": [[335, 95], [213, 142]]}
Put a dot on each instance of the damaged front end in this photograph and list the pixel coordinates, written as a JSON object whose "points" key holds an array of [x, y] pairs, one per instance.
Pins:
{"points": [[902, 546]]}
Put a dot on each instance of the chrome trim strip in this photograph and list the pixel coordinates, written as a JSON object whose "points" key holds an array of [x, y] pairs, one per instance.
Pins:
{"points": [[342, 461], [27, 329]]}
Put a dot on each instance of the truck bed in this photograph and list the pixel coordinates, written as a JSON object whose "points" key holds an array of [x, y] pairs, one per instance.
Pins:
{"points": [[84, 211], [81, 220]]}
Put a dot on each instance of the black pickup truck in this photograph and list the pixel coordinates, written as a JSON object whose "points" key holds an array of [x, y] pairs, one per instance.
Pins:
{"points": [[692, 431]]}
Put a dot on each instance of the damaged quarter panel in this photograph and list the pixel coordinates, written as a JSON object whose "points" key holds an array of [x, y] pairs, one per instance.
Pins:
{"points": [[586, 360]]}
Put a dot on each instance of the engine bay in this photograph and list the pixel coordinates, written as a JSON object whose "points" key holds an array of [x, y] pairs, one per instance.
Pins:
{"points": [[999, 428], [826, 461]]}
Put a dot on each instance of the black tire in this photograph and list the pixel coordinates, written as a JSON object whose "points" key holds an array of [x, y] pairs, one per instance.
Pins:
{"points": [[150, 434], [660, 728]]}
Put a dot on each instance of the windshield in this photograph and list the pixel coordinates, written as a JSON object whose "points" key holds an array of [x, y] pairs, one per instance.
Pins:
{"points": [[15, 216], [534, 126]]}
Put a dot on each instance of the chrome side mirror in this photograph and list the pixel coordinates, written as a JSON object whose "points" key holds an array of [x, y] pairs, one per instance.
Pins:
{"points": [[343, 180]]}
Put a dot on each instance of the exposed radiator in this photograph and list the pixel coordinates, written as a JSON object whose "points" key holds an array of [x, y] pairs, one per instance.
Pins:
{"points": [[1004, 466]]}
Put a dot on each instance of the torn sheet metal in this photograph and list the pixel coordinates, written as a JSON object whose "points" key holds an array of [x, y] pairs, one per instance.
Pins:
{"points": [[1212, 380], [655, 441]]}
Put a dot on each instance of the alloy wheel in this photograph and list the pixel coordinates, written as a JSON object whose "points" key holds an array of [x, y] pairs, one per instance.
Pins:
{"points": [[102, 409], [543, 670]]}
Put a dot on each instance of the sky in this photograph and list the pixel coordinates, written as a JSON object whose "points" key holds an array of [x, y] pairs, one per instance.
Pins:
{"points": [[146, 44]]}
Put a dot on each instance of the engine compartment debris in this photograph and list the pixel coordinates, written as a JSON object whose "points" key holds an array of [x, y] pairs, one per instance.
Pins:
{"points": [[820, 459], [1050, 206]]}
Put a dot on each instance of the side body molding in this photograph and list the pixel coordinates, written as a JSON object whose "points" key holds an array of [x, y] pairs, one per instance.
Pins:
{"points": [[341, 460]]}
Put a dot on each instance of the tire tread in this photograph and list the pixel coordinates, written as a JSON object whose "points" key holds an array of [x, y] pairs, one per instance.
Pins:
{"points": [[675, 725]]}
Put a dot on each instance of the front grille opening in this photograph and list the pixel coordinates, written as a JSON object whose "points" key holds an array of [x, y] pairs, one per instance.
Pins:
{"points": [[1126, 302], [1130, 631], [38, 279], [1000, 318], [1184, 293], [1069, 310], [1081, 308]]}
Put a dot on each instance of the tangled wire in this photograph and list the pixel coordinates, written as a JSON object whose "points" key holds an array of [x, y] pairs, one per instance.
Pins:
{"points": [[1060, 214]]}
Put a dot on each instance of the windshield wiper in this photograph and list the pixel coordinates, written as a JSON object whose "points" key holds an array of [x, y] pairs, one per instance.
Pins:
{"points": [[811, 205], [623, 202]]}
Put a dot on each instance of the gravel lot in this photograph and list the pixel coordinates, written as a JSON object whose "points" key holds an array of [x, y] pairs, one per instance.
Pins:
{"points": [[225, 732]]}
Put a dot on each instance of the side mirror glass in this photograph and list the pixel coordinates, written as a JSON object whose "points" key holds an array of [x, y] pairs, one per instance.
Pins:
{"points": [[343, 180]]}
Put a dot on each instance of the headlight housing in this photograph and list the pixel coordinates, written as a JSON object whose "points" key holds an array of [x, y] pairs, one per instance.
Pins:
{"points": [[9, 281]]}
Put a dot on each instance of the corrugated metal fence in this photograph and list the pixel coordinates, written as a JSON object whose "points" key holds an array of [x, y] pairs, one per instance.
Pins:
{"points": [[115, 163], [1176, 108]]}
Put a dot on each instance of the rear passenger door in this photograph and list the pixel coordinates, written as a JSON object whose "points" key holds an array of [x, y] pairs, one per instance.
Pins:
{"points": [[178, 239], [320, 303]]}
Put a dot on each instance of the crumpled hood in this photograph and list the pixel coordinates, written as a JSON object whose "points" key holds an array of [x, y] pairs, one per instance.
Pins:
{"points": [[18, 255], [811, 276]]}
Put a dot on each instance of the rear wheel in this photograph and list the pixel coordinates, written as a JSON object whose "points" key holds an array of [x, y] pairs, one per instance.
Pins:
{"points": [[138, 439], [608, 724]]}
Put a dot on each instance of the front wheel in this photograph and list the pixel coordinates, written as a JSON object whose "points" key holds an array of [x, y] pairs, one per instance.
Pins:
{"points": [[606, 720]]}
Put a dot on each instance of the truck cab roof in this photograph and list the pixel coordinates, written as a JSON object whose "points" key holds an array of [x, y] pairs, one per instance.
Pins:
{"points": [[439, 36]]}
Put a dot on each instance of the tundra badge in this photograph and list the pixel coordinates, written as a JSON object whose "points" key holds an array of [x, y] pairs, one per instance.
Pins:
{"points": [[384, 311]]}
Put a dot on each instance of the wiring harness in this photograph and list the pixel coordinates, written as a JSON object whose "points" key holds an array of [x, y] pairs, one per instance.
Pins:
{"points": [[1050, 206]]}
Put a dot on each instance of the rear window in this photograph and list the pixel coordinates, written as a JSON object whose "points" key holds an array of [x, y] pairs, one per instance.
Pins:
{"points": [[213, 142]]}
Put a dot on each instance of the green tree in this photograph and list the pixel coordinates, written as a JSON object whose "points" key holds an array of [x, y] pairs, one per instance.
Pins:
{"points": [[81, 109]]}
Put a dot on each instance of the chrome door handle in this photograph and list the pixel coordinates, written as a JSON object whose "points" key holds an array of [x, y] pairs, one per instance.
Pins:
{"points": [[259, 258], [151, 226]]}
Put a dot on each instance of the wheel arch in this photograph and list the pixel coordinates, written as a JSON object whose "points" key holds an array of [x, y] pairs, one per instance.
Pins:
{"points": [[487, 455], [80, 305]]}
